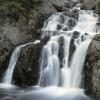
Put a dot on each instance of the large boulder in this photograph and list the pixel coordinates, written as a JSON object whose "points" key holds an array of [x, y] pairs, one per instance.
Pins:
{"points": [[92, 68], [27, 70]]}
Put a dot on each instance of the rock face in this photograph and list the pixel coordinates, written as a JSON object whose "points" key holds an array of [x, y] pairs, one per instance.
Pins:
{"points": [[88, 4], [24, 28], [92, 68], [26, 72]]}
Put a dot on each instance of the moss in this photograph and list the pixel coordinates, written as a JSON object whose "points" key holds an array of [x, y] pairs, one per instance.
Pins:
{"points": [[98, 3], [15, 8], [98, 6]]}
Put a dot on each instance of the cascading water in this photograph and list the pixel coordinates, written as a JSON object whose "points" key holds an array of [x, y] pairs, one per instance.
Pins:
{"points": [[50, 63], [8, 75], [69, 76], [15, 55], [77, 64], [87, 22], [56, 69]]}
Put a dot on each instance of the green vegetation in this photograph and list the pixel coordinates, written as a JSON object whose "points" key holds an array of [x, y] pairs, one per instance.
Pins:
{"points": [[98, 6], [14, 8], [98, 2]]}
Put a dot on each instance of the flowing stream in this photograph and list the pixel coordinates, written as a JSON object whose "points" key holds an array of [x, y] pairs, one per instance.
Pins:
{"points": [[58, 73]]}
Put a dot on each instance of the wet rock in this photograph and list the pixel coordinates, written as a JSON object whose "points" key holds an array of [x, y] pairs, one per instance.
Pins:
{"points": [[73, 18], [92, 68], [69, 4], [27, 71], [98, 27], [62, 19], [72, 46], [59, 26], [71, 23], [61, 50], [75, 34], [65, 29], [74, 14]]}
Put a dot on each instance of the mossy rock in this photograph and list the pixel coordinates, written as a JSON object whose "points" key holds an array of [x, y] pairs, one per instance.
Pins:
{"points": [[98, 6]]}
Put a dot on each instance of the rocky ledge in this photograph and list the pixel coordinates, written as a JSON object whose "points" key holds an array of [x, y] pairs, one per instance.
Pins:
{"points": [[27, 70], [92, 68]]}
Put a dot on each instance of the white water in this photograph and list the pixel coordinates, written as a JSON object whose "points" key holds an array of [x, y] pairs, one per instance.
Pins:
{"points": [[50, 60], [56, 73], [67, 76], [65, 71], [51, 73], [77, 64], [87, 22], [15, 55], [8, 75]]}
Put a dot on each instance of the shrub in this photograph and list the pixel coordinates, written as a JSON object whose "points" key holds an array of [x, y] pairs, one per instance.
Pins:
{"points": [[98, 2], [15, 7], [98, 6]]}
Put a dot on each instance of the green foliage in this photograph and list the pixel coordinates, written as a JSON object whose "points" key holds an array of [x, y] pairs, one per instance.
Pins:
{"points": [[97, 2], [98, 6], [3, 6], [15, 7]]}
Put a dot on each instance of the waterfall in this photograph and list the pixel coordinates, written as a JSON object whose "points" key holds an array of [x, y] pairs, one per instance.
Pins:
{"points": [[15, 55], [68, 76], [56, 71], [50, 63], [77, 64], [62, 57], [8, 75], [87, 22], [65, 71]]}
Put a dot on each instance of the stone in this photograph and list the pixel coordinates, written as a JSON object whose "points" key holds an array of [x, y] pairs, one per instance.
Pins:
{"points": [[89, 4], [72, 46], [27, 69], [74, 14], [59, 26], [65, 29], [92, 68]]}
